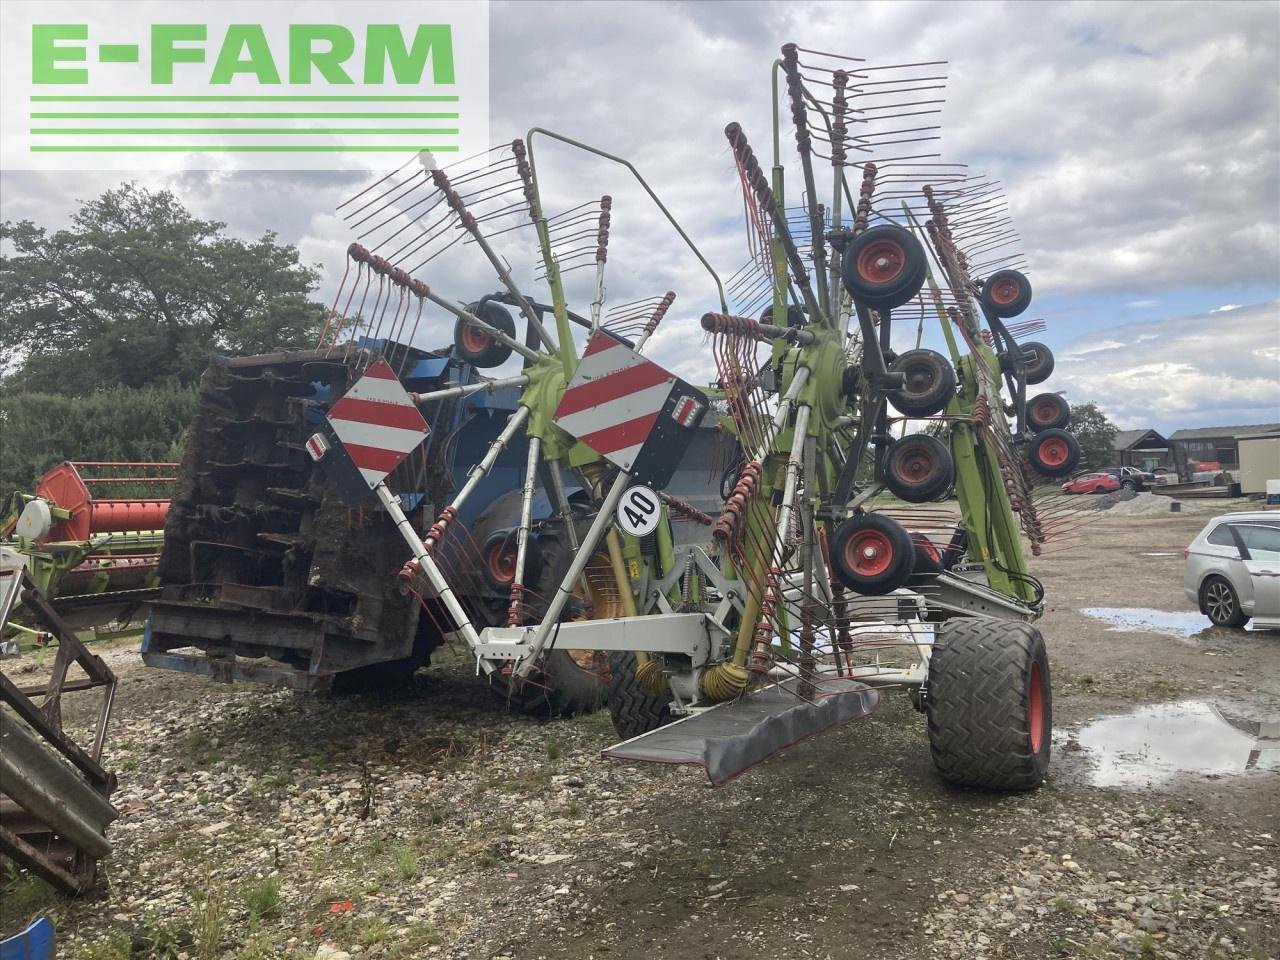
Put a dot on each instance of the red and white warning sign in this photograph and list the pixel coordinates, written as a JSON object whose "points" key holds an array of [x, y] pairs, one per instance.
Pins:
{"points": [[630, 410], [378, 423]]}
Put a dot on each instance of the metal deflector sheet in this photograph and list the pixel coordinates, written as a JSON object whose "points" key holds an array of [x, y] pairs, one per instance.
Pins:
{"points": [[730, 739]]}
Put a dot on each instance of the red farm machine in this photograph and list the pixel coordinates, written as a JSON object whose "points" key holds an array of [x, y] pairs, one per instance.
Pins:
{"points": [[732, 568]]}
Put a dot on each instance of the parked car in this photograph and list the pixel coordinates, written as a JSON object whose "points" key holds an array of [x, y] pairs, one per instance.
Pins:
{"points": [[1092, 483], [1132, 477], [1232, 570]]}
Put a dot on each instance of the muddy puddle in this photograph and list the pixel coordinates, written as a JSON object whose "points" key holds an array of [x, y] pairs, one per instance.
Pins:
{"points": [[1162, 743], [1184, 626]]}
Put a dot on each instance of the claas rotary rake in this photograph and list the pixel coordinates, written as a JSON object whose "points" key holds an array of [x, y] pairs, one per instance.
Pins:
{"points": [[837, 565]]}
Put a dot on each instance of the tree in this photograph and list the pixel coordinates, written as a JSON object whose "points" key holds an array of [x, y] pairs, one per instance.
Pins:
{"points": [[1096, 434], [138, 291]]}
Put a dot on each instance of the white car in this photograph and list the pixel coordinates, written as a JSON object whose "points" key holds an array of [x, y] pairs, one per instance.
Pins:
{"points": [[1232, 570]]}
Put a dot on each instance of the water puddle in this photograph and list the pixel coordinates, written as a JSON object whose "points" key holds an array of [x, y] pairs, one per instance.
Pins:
{"points": [[1169, 554], [1157, 744], [1184, 626]]}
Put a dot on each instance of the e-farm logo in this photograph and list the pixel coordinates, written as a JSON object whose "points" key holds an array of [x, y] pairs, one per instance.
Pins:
{"points": [[238, 84]]}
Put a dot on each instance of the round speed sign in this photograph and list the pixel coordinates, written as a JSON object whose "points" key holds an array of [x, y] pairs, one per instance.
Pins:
{"points": [[639, 513]]}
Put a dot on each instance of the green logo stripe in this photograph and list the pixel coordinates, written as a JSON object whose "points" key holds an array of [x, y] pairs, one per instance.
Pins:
{"points": [[245, 131], [241, 99], [242, 116], [244, 148]]}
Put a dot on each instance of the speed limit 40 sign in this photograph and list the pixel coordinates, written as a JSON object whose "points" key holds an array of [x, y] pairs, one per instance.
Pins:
{"points": [[639, 512]]}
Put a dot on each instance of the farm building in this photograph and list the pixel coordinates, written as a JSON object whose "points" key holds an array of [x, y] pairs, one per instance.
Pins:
{"points": [[1217, 448], [1145, 449]]}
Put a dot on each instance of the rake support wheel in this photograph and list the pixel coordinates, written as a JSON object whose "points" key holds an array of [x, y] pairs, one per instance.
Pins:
{"points": [[1037, 361], [883, 267], [1047, 411], [634, 709], [477, 347], [1006, 293], [930, 383], [918, 468], [989, 704], [872, 554], [1054, 453]]}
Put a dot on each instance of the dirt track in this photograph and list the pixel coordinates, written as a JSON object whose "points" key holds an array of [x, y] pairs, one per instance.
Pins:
{"points": [[457, 830]]}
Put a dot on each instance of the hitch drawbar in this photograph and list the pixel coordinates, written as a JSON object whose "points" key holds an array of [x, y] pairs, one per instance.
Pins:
{"points": [[731, 738]]}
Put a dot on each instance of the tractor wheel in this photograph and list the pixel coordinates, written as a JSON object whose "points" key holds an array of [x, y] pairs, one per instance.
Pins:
{"points": [[930, 383], [478, 348], [883, 267], [927, 560], [633, 708], [918, 468], [872, 554], [498, 560], [990, 704], [1220, 603], [1037, 361], [1006, 293], [1046, 411], [1054, 453]]}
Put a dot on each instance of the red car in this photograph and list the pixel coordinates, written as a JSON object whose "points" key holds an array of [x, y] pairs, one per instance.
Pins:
{"points": [[1092, 483]]}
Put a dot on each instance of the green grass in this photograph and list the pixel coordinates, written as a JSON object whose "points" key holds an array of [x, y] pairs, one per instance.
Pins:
{"points": [[406, 859], [22, 896], [209, 923], [262, 898]]}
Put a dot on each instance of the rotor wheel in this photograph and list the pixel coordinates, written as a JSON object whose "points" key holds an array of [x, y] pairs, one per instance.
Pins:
{"points": [[929, 383], [1006, 293], [872, 554], [990, 704], [498, 560], [1037, 361], [1047, 411], [883, 267], [477, 347], [1054, 453], [918, 468], [927, 560]]}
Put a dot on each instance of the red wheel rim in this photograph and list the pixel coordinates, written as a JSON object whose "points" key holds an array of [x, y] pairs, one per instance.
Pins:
{"points": [[1035, 708], [474, 340], [1054, 452], [881, 262], [868, 553], [501, 562], [916, 465], [929, 549], [1004, 291], [1046, 411]]}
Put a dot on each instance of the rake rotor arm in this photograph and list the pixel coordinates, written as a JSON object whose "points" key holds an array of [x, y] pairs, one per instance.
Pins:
{"points": [[724, 304], [484, 386]]}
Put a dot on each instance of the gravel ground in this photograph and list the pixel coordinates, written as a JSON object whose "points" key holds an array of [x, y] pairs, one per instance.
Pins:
{"points": [[434, 823]]}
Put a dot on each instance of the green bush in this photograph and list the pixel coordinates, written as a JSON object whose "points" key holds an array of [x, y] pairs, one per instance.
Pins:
{"points": [[38, 430]]}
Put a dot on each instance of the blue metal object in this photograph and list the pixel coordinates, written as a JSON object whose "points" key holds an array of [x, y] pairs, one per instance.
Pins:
{"points": [[33, 943]]}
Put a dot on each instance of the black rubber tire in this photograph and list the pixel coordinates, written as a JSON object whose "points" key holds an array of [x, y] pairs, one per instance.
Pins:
{"points": [[958, 549], [1053, 453], [1220, 603], [918, 468], [1006, 293], [506, 538], [1046, 411], [1037, 361], [1128, 485], [887, 570], [990, 704], [561, 688], [634, 710], [883, 267], [927, 560], [475, 346], [930, 383], [729, 479]]}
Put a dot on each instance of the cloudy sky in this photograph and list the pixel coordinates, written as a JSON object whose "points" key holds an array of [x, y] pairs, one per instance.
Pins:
{"points": [[1138, 144]]}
